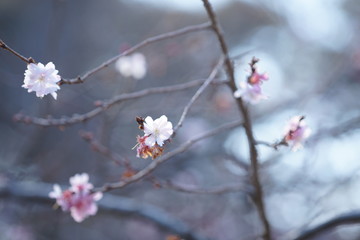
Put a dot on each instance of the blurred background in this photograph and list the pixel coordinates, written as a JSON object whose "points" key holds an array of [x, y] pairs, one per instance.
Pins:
{"points": [[310, 50]]}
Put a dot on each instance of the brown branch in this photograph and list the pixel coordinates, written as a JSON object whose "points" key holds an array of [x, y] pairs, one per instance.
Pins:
{"points": [[215, 190], [98, 147], [345, 219], [154, 164], [38, 192], [106, 104], [199, 92], [258, 194], [7, 48], [182, 31]]}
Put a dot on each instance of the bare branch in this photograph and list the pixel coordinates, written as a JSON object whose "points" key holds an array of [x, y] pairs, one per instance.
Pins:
{"points": [[106, 104], [7, 48], [147, 41], [345, 219], [154, 164], [98, 147], [258, 194], [38, 192], [215, 190], [199, 92]]}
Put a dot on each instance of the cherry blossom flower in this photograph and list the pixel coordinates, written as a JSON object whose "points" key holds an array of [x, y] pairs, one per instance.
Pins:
{"points": [[255, 78], [80, 182], [132, 66], [63, 199], [144, 151], [296, 131], [78, 199], [157, 131], [42, 79], [250, 93]]}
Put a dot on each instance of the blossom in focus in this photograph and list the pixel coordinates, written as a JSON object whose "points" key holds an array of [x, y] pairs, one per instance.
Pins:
{"points": [[144, 151], [157, 131], [78, 199], [42, 79], [296, 132], [132, 66]]}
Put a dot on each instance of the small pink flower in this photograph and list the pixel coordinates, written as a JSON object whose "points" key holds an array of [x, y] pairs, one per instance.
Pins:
{"points": [[83, 205], [80, 182], [250, 93], [78, 199], [256, 78], [296, 131], [63, 199]]}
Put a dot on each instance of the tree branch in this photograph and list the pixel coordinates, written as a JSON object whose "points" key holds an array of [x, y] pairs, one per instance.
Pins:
{"points": [[7, 48], [258, 194], [345, 219], [155, 163], [182, 31], [38, 192], [106, 104], [215, 190], [199, 92]]}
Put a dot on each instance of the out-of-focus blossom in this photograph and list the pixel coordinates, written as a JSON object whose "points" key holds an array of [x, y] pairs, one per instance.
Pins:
{"points": [[63, 198], [132, 66], [42, 79], [257, 78], [296, 132], [250, 91], [157, 131], [78, 199], [80, 182]]}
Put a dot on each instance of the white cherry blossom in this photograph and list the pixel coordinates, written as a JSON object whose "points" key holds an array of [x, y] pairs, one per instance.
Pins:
{"points": [[158, 130], [42, 79]]}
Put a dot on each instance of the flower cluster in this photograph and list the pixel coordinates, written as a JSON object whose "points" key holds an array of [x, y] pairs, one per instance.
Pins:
{"points": [[132, 66], [42, 79], [156, 133], [295, 132], [78, 199], [250, 91]]}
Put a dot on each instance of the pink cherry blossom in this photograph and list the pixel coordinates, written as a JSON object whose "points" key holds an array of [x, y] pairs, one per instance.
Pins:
{"points": [[78, 199], [250, 93], [296, 132]]}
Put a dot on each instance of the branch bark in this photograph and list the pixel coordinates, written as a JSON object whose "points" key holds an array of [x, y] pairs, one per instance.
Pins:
{"points": [[257, 197], [154, 164], [38, 192], [345, 219], [179, 32]]}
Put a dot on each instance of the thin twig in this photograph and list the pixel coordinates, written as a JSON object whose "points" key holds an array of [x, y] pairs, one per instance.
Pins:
{"points": [[214, 190], [98, 147], [106, 104], [182, 31], [199, 92], [258, 194], [38, 192], [7, 48], [154, 164]]}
